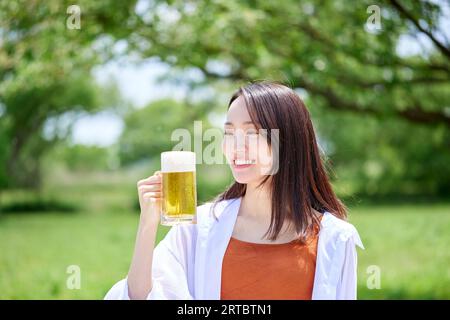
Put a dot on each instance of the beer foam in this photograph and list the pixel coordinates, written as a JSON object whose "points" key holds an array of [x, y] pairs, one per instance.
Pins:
{"points": [[177, 161]]}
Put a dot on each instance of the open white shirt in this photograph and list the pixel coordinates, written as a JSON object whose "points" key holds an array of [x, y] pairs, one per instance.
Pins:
{"points": [[187, 263]]}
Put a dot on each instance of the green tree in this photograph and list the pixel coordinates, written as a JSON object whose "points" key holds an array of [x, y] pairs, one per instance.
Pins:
{"points": [[45, 72], [394, 106], [321, 46]]}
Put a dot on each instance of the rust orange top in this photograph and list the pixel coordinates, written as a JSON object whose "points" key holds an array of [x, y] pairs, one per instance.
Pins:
{"points": [[269, 271]]}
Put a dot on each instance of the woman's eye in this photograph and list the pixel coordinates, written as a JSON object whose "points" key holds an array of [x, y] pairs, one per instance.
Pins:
{"points": [[228, 133], [251, 133]]}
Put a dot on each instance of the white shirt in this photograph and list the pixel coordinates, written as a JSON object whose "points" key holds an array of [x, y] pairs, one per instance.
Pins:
{"points": [[187, 263]]}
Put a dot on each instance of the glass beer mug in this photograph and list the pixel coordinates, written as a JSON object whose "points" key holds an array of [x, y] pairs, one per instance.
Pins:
{"points": [[179, 189]]}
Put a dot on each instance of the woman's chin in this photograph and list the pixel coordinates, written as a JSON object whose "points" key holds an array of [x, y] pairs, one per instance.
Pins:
{"points": [[244, 178]]}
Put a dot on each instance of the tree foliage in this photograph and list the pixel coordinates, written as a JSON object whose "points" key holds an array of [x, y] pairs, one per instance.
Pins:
{"points": [[382, 107], [45, 72]]}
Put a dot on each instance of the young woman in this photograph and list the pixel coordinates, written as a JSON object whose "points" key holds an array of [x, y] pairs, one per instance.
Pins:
{"points": [[279, 232]]}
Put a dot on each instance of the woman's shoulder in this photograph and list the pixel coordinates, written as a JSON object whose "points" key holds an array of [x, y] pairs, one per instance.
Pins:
{"points": [[339, 229]]}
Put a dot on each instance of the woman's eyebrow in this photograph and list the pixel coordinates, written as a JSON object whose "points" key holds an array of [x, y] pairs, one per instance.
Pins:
{"points": [[230, 123]]}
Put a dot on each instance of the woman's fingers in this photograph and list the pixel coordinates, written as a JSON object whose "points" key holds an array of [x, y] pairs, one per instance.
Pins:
{"points": [[149, 187], [154, 179], [149, 195]]}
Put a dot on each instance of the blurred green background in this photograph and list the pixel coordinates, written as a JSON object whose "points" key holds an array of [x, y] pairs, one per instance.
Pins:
{"points": [[88, 104]]}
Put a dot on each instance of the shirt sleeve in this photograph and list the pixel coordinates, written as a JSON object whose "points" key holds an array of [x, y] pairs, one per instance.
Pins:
{"points": [[169, 271], [347, 285]]}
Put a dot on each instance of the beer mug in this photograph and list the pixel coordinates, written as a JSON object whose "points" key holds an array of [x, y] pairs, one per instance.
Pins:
{"points": [[179, 189]]}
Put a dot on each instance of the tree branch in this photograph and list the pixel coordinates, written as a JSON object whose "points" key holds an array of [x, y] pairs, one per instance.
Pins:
{"points": [[414, 114], [331, 48], [444, 49]]}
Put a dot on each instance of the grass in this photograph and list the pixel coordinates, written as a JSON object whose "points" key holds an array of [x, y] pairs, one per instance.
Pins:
{"points": [[407, 242], [36, 251]]}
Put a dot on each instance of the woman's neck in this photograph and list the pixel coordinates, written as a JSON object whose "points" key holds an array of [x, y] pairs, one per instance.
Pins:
{"points": [[255, 214], [257, 203]]}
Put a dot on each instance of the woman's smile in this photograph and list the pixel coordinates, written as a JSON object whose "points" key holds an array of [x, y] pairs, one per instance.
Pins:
{"points": [[242, 164]]}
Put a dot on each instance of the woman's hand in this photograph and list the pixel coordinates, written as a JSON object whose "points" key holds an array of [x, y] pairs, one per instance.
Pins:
{"points": [[150, 198]]}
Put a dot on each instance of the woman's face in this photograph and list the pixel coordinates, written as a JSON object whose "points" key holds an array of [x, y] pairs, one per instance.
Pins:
{"points": [[245, 149]]}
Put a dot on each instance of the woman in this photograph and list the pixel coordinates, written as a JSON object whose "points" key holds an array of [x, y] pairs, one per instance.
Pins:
{"points": [[279, 232]]}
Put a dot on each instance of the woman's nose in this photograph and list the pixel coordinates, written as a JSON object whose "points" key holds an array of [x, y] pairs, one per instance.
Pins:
{"points": [[240, 140], [240, 144]]}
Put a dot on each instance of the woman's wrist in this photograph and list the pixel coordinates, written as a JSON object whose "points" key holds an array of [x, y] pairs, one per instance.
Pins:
{"points": [[148, 225]]}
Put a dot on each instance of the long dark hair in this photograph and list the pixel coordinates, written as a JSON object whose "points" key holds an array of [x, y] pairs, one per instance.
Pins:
{"points": [[301, 182]]}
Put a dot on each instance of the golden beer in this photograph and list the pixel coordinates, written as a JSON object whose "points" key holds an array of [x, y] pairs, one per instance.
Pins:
{"points": [[179, 188]]}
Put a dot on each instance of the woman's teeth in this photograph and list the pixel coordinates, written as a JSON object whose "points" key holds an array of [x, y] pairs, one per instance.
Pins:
{"points": [[242, 162]]}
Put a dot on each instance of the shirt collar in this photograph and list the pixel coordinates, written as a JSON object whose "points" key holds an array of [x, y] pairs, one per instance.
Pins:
{"points": [[220, 207]]}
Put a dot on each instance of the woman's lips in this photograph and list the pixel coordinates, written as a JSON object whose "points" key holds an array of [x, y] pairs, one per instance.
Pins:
{"points": [[242, 164]]}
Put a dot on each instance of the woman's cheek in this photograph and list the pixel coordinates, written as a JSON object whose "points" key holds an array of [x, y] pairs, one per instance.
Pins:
{"points": [[252, 148], [226, 151], [264, 158]]}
